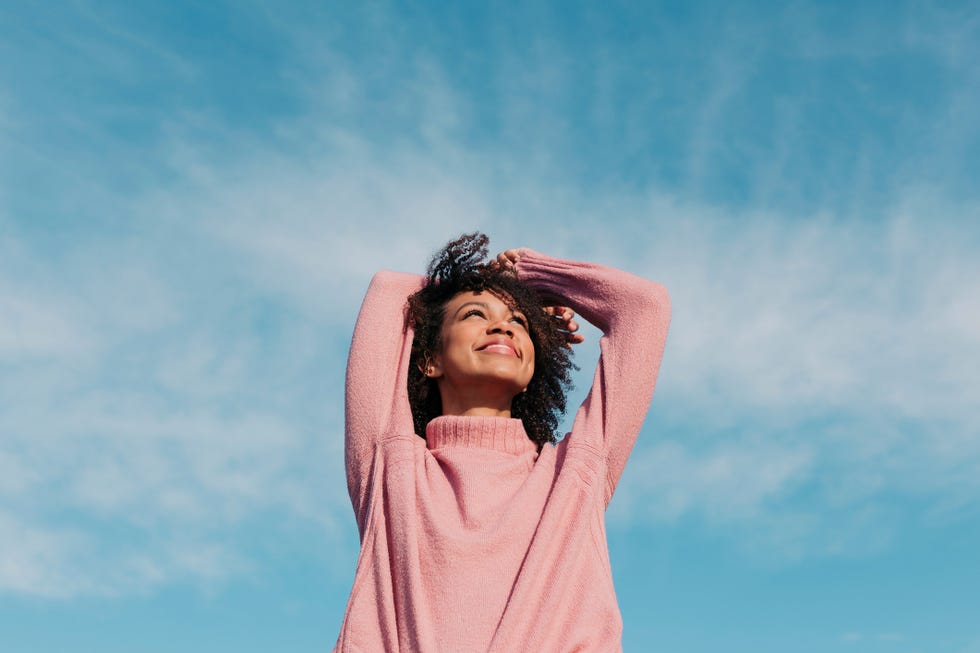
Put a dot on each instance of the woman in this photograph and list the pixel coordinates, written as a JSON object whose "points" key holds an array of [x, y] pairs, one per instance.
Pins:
{"points": [[478, 533]]}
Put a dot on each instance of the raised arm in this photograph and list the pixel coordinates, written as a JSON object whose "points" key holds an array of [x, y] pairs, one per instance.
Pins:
{"points": [[377, 394], [633, 315]]}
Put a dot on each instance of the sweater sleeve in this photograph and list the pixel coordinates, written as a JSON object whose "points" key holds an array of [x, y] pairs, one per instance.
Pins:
{"points": [[633, 315], [377, 376]]}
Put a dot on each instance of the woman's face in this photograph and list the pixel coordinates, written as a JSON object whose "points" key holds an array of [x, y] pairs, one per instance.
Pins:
{"points": [[486, 348]]}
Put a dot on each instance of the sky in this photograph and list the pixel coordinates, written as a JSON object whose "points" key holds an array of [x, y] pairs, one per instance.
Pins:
{"points": [[193, 199]]}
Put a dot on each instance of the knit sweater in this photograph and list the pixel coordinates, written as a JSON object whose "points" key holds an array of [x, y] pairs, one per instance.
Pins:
{"points": [[472, 539]]}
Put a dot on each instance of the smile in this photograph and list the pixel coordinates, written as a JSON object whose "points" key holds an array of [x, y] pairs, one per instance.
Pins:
{"points": [[499, 348]]}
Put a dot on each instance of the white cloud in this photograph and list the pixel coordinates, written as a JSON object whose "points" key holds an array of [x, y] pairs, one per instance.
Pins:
{"points": [[729, 483], [776, 325], [809, 354], [144, 430], [828, 313], [39, 561], [32, 326], [60, 563]]}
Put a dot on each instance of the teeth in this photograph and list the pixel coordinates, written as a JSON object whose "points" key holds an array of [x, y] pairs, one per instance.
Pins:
{"points": [[504, 349]]}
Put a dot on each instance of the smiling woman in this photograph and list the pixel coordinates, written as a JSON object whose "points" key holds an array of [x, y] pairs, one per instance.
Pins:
{"points": [[457, 275], [486, 357], [478, 531]]}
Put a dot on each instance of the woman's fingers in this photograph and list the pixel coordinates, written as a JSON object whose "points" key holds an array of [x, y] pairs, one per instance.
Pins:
{"points": [[561, 312], [507, 259], [569, 326]]}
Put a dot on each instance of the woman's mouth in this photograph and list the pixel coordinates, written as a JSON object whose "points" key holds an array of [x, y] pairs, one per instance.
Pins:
{"points": [[499, 348]]}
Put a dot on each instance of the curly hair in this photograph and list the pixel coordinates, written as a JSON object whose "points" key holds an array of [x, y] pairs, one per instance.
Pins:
{"points": [[459, 267]]}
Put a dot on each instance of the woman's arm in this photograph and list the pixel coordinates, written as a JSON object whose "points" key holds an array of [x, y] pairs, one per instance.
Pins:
{"points": [[377, 394], [633, 315]]}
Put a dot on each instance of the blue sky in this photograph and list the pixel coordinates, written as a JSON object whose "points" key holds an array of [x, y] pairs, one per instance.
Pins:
{"points": [[193, 198]]}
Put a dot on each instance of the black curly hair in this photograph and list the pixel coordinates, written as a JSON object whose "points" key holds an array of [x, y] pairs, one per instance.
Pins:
{"points": [[459, 267]]}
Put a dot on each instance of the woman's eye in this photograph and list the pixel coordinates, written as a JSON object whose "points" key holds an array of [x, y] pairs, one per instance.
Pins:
{"points": [[474, 311], [520, 320]]}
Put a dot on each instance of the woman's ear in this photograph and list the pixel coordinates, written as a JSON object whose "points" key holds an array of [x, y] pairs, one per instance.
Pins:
{"points": [[430, 367]]}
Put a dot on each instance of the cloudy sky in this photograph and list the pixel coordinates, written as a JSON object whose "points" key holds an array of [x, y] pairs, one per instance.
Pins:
{"points": [[194, 196]]}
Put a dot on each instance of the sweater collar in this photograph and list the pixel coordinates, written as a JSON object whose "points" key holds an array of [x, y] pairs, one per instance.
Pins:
{"points": [[502, 434]]}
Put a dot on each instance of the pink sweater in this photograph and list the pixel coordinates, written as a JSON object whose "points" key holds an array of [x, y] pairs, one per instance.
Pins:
{"points": [[472, 540]]}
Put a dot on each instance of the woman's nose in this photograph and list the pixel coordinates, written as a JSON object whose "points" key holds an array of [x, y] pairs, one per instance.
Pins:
{"points": [[501, 327]]}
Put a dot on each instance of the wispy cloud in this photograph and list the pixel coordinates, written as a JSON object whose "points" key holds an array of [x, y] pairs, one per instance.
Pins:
{"points": [[185, 380], [819, 365], [141, 425], [730, 483]]}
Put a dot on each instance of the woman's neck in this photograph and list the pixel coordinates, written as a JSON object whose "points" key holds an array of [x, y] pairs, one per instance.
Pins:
{"points": [[481, 404]]}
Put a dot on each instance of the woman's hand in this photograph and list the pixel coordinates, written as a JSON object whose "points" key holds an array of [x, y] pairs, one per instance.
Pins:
{"points": [[568, 325], [508, 259]]}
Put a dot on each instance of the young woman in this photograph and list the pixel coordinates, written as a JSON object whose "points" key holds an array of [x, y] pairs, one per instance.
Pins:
{"points": [[478, 532]]}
